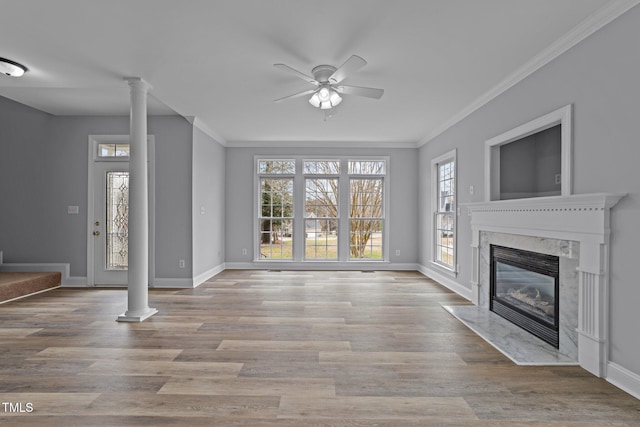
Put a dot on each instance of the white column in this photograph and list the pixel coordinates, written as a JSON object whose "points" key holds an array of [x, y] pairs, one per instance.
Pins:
{"points": [[138, 289]]}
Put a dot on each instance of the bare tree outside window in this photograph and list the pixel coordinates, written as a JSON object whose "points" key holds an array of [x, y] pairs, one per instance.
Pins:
{"points": [[365, 218], [276, 209], [366, 214], [323, 215]]}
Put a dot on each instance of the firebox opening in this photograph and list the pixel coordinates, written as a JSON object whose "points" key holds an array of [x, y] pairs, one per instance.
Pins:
{"points": [[524, 289]]}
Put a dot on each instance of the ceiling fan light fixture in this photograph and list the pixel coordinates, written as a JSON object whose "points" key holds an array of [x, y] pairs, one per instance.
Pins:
{"points": [[325, 98], [11, 68], [334, 98], [315, 100], [324, 93]]}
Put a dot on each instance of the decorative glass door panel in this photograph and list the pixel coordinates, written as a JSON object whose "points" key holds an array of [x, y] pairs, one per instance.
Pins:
{"points": [[110, 224], [117, 221]]}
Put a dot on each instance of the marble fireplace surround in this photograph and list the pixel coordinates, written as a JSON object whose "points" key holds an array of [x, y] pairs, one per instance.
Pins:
{"points": [[574, 227]]}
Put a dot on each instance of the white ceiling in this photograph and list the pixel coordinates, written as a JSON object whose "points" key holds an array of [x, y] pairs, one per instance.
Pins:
{"points": [[213, 59]]}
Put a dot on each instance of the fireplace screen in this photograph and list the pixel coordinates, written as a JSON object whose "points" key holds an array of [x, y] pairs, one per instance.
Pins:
{"points": [[524, 290]]}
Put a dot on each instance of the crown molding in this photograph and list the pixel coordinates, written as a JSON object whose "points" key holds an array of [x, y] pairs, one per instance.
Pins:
{"points": [[322, 144], [196, 122], [590, 25]]}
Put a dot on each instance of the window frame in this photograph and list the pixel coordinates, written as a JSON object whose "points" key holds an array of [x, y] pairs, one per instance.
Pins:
{"points": [[436, 163], [380, 177], [337, 218], [258, 218], [299, 208]]}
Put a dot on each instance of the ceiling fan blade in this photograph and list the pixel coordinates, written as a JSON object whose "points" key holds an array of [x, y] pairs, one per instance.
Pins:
{"points": [[296, 95], [297, 73], [354, 63], [369, 92]]}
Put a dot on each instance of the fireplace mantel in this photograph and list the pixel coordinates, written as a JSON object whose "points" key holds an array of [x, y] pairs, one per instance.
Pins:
{"points": [[584, 218]]}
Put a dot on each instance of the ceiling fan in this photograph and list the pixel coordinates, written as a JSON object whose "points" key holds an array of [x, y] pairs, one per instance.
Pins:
{"points": [[326, 79]]}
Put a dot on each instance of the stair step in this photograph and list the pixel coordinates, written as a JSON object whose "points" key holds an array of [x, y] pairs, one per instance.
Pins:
{"points": [[18, 284]]}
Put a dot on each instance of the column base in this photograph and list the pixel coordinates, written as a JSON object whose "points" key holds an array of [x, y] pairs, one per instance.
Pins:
{"points": [[136, 317]]}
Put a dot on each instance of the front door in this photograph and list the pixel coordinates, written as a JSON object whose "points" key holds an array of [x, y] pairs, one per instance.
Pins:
{"points": [[111, 223]]}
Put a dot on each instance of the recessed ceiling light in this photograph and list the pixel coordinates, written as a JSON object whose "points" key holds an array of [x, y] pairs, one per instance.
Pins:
{"points": [[11, 68]]}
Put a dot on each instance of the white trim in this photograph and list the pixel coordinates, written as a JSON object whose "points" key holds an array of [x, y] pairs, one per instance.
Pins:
{"points": [[445, 281], [29, 295], [624, 379], [563, 117], [322, 266], [94, 140], [323, 144], [593, 23], [75, 282], [196, 122], [203, 277], [181, 283], [451, 155]]}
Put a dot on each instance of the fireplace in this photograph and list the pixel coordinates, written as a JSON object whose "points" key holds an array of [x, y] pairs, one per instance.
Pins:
{"points": [[524, 289]]}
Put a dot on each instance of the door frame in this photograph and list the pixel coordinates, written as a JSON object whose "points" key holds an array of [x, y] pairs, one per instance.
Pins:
{"points": [[94, 140]]}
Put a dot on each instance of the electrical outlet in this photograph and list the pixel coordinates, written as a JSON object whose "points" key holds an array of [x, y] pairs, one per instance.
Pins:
{"points": [[558, 178], [397, 252], [181, 263]]}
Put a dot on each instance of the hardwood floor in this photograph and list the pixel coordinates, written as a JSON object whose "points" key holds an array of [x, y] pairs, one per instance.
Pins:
{"points": [[264, 348]]}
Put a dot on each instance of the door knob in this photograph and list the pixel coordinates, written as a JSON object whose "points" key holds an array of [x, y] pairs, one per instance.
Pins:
{"points": [[96, 233]]}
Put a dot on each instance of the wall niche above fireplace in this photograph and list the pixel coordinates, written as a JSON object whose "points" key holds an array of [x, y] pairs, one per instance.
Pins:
{"points": [[532, 160]]}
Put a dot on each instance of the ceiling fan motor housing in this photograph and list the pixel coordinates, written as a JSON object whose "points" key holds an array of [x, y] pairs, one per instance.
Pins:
{"points": [[322, 72]]}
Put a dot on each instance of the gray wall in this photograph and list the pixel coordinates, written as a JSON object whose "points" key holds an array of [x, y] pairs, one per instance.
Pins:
{"points": [[208, 193], [23, 151], [43, 169], [599, 77], [403, 197]]}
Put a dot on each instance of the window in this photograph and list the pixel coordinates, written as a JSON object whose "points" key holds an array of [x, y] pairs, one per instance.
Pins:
{"points": [[444, 219], [276, 209], [321, 209], [366, 219], [106, 150], [343, 204], [276, 167]]}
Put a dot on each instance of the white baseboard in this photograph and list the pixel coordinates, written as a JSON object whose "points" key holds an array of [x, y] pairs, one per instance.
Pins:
{"points": [[446, 281], [201, 278], [319, 266], [172, 283], [624, 379], [75, 282]]}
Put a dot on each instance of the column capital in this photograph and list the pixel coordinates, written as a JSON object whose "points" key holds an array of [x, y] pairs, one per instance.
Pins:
{"points": [[138, 83]]}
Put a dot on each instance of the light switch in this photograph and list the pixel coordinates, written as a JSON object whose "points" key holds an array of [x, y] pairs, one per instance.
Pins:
{"points": [[471, 190]]}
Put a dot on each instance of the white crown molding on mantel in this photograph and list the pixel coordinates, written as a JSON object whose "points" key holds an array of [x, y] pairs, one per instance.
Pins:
{"points": [[593, 23], [584, 218]]}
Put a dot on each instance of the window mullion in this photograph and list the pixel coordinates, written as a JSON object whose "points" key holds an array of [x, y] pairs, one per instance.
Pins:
{"points": [[344, 205], [299, 212]]}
